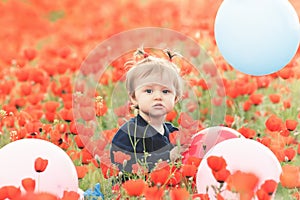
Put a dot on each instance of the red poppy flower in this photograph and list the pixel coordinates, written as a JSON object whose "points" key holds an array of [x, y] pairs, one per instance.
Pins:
{"points": [[188, 170], [101, 108], [154, 193], [179, 194], [285, 133], [287, 104], [139, 169], [40, 164], [109, 170], [269, 186], [86, 156], [30, 53], [22, 74], [274, 123], [159, 177], [221, 175], [247, 105], [171, 116], [290, 153], [191, 160], [70, 195], [247, 132], [285, 73], [216, 163], [81, 171], [79, 142], [229, 120], [121, 157], [242, 183], [174, 178], [67, 114], [25, 89], [50, 116], [187, 121], [274, 98], [87, 113], [134, 187], [291, 124], [263, 195], [9, 192], [265, 141], [122, 111], [51, 106], [290, 176], [73, 154], [256, 99], [28, 184]]}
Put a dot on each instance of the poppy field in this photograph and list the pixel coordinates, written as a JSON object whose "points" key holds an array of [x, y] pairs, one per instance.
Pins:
{"points": [[44, 45]]}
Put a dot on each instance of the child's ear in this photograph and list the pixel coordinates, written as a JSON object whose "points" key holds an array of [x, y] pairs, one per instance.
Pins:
{"points": [[133, 99], [177, 98]]}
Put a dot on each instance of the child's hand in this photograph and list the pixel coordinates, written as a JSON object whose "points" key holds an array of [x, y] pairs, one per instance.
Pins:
{"points": [[176, 152]]}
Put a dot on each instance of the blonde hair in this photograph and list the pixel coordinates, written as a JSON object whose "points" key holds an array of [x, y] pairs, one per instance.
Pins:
{"points": [[152, 65]]}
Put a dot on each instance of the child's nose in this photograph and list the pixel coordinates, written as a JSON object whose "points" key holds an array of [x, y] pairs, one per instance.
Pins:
{"points": [[157, 95]]}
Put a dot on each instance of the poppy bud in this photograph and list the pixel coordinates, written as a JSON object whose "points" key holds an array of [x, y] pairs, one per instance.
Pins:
{"points": [[221, 175], [40, 164], [269, 186], [291, 124], [28, 184], [216, 163]]}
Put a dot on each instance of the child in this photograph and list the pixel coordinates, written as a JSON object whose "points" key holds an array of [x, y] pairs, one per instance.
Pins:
{"points": [[154, 86]]}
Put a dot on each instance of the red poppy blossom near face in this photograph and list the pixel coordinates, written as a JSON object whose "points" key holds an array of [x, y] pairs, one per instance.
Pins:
{"points": [[40, 164]]}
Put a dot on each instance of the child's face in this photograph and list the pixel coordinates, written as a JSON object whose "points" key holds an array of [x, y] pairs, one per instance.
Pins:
{"points": [[154, 99]]}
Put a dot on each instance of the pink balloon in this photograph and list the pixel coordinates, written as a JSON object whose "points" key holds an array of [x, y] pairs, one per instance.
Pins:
{"points": [[203, 141], [17, 162], [242, 154]]}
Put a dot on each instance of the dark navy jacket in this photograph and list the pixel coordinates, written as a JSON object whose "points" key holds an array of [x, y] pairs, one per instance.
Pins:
{"points": [[140, 134]]}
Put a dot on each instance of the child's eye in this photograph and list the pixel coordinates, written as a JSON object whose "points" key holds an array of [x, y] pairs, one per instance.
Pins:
{"points": [[166, 91], [149, 91]]}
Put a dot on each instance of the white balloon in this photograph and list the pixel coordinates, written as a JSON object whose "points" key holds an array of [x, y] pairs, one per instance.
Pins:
{"points": [[257, 37], [209, 137], [17, 162], [242, 154]]}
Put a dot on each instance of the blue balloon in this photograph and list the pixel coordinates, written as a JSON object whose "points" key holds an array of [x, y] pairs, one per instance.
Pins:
{"points": [[257, 37], [94, 194]]}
